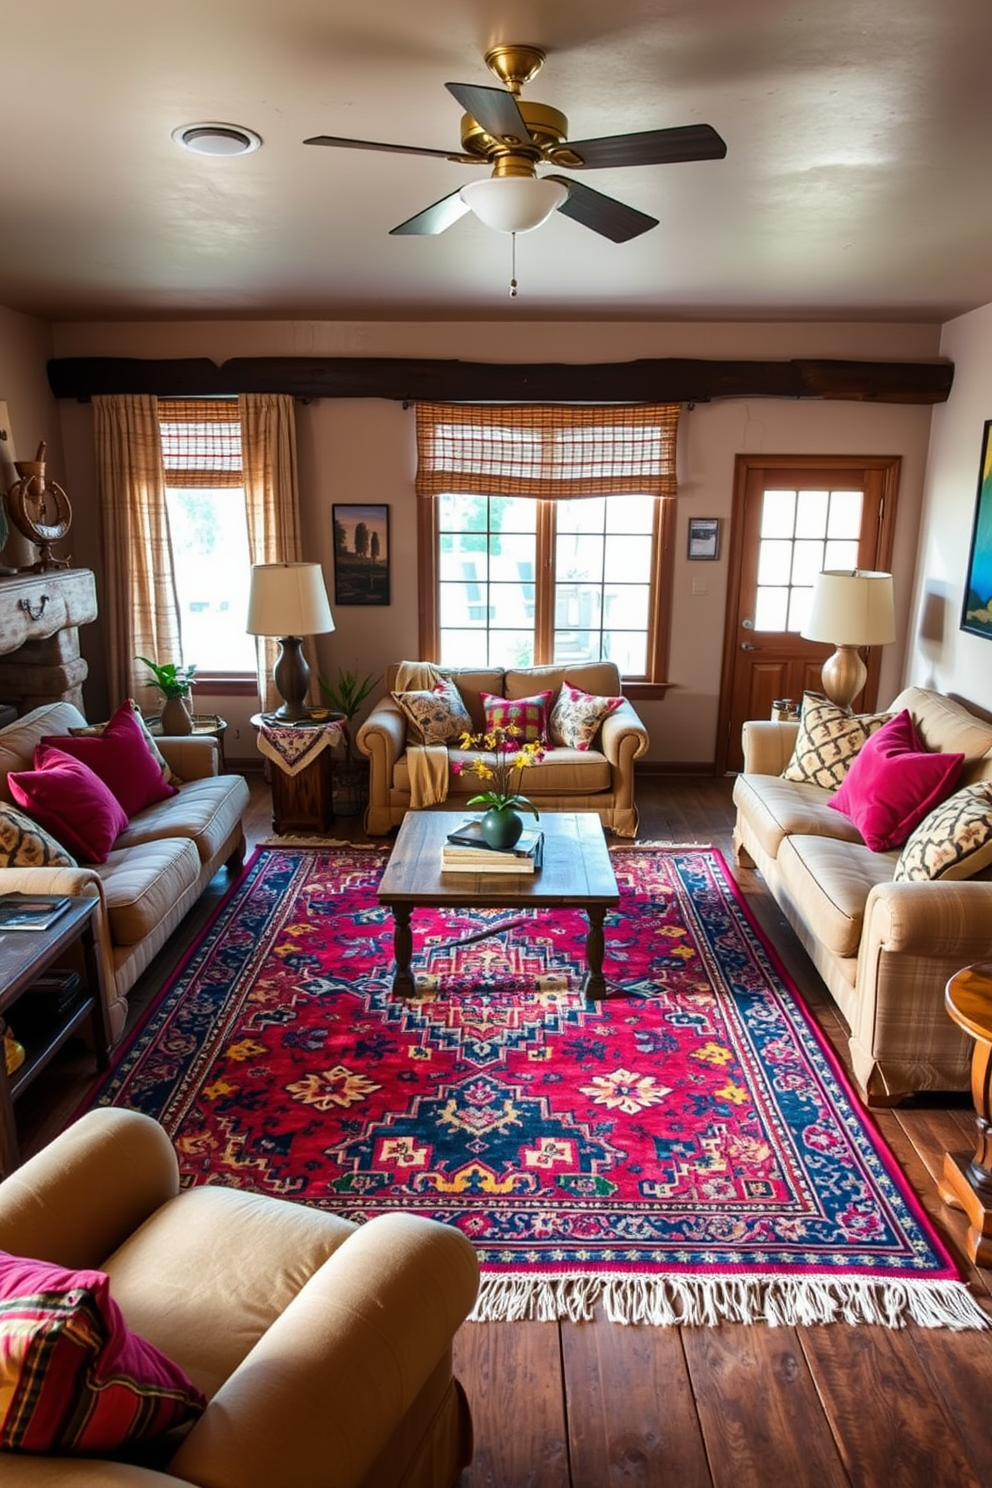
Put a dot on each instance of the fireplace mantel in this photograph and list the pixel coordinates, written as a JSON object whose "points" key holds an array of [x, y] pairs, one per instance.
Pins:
{"points": [[39, 638]]}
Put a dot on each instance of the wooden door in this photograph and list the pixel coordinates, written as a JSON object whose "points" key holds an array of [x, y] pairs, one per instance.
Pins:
{"points": [[792, 517]]}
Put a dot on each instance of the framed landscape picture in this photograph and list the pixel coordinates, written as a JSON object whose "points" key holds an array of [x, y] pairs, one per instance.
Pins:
{"points": [[361, 555], [976, 613]]}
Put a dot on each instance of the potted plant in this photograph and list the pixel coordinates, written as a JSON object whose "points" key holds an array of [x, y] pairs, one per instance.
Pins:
{"points": [[346, 696], [175, 683], [501, 759]]}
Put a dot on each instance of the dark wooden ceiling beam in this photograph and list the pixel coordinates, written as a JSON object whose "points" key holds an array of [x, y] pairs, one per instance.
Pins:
{"points": [[650, 380]]}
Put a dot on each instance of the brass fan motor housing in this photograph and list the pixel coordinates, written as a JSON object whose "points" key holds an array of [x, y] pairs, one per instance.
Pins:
{"points": [[548, 127]]}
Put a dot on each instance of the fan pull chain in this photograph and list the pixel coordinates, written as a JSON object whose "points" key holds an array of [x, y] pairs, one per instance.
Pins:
{"points": [[513, 266]]}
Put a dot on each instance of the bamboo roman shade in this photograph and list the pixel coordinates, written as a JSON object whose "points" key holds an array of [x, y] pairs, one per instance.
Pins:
{"points": [[201, 442], [546, 451]]}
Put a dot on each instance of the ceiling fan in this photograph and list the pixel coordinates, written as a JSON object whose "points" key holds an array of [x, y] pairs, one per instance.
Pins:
{"points": [[514, 137]]}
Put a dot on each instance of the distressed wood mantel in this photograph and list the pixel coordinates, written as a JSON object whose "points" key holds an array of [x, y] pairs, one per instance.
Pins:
{"points": [[649, 380]]}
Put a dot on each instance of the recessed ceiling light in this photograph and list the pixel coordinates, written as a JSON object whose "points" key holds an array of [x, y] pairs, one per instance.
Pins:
{"points": [[217, 139]]}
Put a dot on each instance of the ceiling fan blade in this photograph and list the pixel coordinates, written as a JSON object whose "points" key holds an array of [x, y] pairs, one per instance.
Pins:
{"points": [[433, 219], [353, 144], [603, 214], [495, 109], [652, 147]]}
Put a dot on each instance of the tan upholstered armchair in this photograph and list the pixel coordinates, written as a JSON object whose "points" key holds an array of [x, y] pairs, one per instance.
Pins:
{"points": [[599, 779], [324, 1348]]}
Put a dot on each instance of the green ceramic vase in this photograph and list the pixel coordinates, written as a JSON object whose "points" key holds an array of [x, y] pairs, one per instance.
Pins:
{"points": [[501, 826]]}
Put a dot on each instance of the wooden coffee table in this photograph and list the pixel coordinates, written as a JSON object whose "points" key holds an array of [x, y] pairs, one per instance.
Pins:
{"points": [[576, 874]]}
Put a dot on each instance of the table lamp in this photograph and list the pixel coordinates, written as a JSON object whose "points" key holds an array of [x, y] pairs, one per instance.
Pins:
{"points": [[850, 608], [288, 601]]}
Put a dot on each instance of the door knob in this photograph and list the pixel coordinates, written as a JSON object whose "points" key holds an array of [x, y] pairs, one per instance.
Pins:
{"points": [[748, 646]]}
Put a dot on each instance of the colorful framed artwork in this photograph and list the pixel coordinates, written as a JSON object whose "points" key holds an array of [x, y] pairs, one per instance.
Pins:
{"points": [[976, 612], [361, 554]]}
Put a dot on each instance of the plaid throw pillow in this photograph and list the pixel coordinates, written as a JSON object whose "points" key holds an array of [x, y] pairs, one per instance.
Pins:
{"points": [[954, 841], [529, 715], [828, 741]]}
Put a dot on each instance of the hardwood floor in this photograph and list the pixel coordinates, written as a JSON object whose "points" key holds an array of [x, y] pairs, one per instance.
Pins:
{"points": [[561, 1405]]}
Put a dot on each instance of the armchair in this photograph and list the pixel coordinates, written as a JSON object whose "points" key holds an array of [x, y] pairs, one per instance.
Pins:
{"points": [[323, 1347]]}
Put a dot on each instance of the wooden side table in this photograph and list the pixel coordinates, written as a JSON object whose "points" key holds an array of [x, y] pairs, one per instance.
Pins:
{"points": [[24, 956], [967, 1184], [302, 800]]}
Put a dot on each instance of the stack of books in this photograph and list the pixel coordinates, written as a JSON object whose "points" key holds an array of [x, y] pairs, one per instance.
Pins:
{"points": [[465, 851]]}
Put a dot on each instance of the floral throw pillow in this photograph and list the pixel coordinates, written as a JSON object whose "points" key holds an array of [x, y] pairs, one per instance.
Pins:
{"points": [[435, 717], [954, 841], [828, 741], [577, 715], [25, 844], [528, 714]]}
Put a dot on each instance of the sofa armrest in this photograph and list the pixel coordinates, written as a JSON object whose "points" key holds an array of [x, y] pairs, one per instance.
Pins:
{"points": [[767, 745], [930, 919], [80, 1197], [623, 734], [335, 1374], [383, 738], [191, 758]]}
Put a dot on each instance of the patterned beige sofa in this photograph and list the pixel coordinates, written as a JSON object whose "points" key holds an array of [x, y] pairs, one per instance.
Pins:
{"points": [[884, 949], [599, 779], [159, 864]]}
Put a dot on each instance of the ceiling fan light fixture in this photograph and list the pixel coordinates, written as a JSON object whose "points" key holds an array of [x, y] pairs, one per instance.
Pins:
{"points": [[217, 139], [513, 204]]}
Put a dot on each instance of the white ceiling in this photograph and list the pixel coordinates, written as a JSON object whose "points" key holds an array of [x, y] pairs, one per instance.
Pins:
{"points": [[856, 184]]}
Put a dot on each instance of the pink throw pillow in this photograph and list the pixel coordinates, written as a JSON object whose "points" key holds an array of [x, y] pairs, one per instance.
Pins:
{"points": [[528, 714], [893, 784], [65, 797], [121, 757], [75, 1378]]}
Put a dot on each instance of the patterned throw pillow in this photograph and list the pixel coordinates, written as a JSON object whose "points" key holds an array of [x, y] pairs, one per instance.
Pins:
{"points": [[954, 841], [96, 729], [24, 844], [528, 714], [75, 1378], [577, 715], [828, 740], [435, 717]]}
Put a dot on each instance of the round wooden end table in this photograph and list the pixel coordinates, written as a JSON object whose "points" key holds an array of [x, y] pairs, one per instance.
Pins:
{"points": [[967, 1183]]}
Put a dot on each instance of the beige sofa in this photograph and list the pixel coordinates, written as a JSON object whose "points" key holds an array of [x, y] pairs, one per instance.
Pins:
{"points": [[323, 1347], [885, 950], [158, 866], [600, 779]]}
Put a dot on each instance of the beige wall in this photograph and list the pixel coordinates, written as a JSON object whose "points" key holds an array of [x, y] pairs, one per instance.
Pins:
{"points": [[939, 653], [25, 346], [363, 450]]}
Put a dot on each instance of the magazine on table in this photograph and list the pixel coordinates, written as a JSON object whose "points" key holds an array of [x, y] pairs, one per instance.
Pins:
{"points": [[469, 837], [32, 911], [523, 857]]}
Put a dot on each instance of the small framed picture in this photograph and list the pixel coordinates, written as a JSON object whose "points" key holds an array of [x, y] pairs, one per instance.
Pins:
{"points": [[704, 537], [361, 555]]}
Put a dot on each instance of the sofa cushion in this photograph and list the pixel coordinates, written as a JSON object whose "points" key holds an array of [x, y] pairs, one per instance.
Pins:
{"points": [[564, 772], [827, 741], [892, 784], [953, 841], [95, 730], [828, 882], [19, 740], [71, 802], [119, 753], [775, 808], [24, 844], [207, 811], [528, 716], [141, 883], [599, 677], [945, 725], [75, 1378], [577, 716], [437, 716]]}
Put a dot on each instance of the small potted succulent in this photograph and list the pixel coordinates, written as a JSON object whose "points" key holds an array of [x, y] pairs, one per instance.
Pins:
{"points": [[175, 683]]}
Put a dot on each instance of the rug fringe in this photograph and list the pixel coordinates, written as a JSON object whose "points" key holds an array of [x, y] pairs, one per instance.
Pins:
{"points": [[651, 845], [697, 1301], [312, 839]]}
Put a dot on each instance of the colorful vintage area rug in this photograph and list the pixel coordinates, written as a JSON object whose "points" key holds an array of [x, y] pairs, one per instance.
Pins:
{"points": [[686, 1151]]}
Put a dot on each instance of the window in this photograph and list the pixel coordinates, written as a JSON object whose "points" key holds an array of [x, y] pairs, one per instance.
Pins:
{"points": [[801, 532], [201, 456], [546, 536]]}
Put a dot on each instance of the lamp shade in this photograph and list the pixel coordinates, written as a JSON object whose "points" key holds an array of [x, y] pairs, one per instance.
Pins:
{"points": [[288, 599], [852, 608], [513, 204]]}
